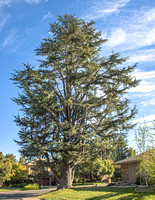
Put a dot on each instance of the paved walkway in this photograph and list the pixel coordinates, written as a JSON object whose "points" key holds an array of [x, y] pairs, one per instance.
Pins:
{"points": [[24, 194]]}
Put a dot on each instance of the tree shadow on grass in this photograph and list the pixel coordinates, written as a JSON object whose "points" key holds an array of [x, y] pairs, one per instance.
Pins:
{"points": [[106, 196], [106, 189], [119, 193], [130, 196]]}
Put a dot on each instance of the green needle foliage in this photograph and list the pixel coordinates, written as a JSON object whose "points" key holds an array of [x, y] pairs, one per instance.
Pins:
{"points": [[73, 104]]}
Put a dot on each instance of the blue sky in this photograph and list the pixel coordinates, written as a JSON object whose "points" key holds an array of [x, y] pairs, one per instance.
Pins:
{"points": [[128, 25]]}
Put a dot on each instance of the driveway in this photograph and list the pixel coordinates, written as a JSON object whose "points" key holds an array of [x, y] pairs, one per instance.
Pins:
{"points": [[24, 193]]}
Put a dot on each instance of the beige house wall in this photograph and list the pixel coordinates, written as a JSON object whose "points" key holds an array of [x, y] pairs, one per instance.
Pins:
{"points": [[129, 172], [124, 172], [45, 181], [133, 172]]}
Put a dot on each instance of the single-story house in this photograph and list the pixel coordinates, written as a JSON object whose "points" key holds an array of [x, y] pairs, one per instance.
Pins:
{"points": [[46, 180], [129, 168]]}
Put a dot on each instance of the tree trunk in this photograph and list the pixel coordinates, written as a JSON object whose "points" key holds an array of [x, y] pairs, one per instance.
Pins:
{"points": [[41, 182], [91, 177], [66, 177], [83, 178], [147, 185]]}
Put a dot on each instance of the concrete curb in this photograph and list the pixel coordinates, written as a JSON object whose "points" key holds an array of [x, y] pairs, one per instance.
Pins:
{"points": [[30, 199]]}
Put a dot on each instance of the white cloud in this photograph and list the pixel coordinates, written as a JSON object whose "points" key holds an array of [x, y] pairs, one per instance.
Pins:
{"points": [[117, 37], [8, 2], [150, 37], [142, 56], [133, 32], [148, 16], [10, 38], [3, 20], [147, 83], [148, 102], [102, 8], [147, 119], [4, 16], [13, 41], [4, 3], [144, 87], [131, 38], [144, 75], [33, 1], [48, 15]]}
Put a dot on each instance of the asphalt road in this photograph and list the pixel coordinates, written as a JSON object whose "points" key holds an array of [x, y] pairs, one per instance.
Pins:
{"points": [[24, 194]]}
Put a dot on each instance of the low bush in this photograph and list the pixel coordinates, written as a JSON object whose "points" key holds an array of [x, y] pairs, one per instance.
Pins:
{"points": [[34, 186], [137, 180], [80, 180], [19, 185], [75, 180], [117, 172]]}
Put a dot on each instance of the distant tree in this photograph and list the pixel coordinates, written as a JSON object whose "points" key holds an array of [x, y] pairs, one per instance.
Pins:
{"points": [[12, 158], [120, 150], [74, 100], [5, 169], [22, 160], [131, 152]]}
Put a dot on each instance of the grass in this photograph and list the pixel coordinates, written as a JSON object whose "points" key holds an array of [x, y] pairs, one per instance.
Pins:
{"points": [[9, 189], [89, 183], [97, 193]]}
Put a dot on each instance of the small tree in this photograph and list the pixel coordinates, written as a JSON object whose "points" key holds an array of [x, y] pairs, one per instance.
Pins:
{"points": [[102, 167], [145, 143], [96, 169], [5, 169], [147, 166], [12, 158], [144, 137], [18, 173]]}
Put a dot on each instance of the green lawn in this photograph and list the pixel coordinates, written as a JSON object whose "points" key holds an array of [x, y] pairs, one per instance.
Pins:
{"points": [[97, 193], [9, 189], [90, 183]]}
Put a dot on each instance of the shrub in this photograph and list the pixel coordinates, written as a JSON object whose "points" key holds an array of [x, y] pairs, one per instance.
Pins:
{"points": [[117, 172], [11, 185], [80, 180], [34, 186], [137, 180], [76, 180]]}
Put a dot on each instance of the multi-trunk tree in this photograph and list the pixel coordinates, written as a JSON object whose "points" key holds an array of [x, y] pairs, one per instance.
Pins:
{"points": [[74, 101]]}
